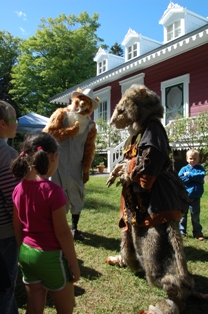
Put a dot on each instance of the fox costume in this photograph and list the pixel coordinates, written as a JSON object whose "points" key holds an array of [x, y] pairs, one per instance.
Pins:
{"points": [[76, 134]]}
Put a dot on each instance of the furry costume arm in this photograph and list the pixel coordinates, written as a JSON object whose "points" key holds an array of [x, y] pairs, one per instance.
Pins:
{"points": [[88, 155], [55, 126], [120, 170]]}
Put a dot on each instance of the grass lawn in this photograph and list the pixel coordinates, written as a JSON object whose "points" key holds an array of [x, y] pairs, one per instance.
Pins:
{"points": [[107, 289]]}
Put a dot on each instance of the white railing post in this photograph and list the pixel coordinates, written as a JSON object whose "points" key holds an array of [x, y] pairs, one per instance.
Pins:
{"points": [[114, 155], [109, 159]]}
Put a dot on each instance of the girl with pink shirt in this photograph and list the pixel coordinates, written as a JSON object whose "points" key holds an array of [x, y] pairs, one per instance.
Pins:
{"points": [[47, 255]]}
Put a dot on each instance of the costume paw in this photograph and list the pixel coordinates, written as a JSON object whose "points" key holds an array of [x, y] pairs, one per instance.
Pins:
{"points": [[149, 312], [164, 306], [115, 261], [86, 177], [120, 170]]}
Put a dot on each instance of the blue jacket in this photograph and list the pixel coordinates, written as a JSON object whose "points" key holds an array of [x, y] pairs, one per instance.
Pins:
{"points": [[193, 180]]}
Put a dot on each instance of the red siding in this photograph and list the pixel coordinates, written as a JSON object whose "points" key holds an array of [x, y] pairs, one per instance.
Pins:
{"points": [[194, 62]]}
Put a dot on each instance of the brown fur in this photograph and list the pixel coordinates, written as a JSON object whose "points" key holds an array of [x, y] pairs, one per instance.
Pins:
{"points": [[135, 107], [158, 250], [55, 126], [70, 121]]}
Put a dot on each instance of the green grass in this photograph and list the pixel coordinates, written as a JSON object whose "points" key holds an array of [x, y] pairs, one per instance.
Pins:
{"points": [[106, 289]]}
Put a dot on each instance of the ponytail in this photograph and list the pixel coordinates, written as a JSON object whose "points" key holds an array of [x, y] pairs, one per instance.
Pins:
{"points": [[35, 152]]}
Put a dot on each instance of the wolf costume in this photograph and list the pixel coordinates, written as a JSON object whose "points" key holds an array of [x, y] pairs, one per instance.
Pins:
{"points": [[153, 198]]}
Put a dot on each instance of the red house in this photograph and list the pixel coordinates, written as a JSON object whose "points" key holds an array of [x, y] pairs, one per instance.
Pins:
{"points": [[176, 69]]}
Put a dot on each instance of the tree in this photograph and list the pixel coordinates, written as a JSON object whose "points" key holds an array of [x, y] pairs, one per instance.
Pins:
{"points": [[191, 133], [59, 56], [116, 50], [9, 51]]}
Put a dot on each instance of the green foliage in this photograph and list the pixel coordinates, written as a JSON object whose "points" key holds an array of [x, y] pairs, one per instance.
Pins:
{"points": [[98, 160], [116, 49], [59, 56], [191, 133], [9, 51], [108, 136], [107, 289]]}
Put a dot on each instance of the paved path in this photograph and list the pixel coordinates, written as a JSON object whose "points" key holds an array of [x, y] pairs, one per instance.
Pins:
{"points": [[97, 174]]}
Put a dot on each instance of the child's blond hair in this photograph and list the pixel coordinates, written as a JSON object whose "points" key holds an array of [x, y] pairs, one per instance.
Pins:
{"points": [[192, 152]]}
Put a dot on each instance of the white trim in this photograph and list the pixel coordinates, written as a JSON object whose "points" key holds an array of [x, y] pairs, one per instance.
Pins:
{"points": [[171, 49], [136, 79], [185, 79], [104, 95], [101, 62]]}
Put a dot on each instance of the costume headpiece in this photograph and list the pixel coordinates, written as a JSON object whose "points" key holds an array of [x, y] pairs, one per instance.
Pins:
{"points": [[88, 93]]}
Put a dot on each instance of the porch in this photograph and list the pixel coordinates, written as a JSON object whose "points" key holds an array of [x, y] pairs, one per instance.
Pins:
{"points": [[183, 134]]}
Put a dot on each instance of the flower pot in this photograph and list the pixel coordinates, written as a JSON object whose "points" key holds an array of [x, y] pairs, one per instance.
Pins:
{"points": [[100, 169]]}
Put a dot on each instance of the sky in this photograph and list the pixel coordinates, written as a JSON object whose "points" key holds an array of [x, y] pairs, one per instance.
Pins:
{"points": [[22, 17]]}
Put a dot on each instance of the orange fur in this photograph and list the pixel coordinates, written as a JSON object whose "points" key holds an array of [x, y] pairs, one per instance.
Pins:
{"points": [[88, 155], [55, 126], [77, 124]]}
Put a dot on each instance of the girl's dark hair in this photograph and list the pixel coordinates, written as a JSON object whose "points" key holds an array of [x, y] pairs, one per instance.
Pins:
{"points": [[35, 150]]}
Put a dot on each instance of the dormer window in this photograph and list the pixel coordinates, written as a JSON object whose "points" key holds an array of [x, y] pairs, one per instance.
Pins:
{"points": [[132, 52], [102, 66], [174, 30]]}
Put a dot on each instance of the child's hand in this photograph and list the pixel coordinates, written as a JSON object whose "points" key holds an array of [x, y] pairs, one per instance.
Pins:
{"points": [[75, 272]]}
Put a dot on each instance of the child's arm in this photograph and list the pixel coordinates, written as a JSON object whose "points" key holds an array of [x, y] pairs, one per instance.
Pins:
{"points": [[7, 185], [65, 239], [181, 173], [197, 175], [17, 227]]}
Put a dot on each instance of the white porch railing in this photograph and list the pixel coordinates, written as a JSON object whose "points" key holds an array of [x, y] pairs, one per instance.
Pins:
{"points": [[192, 136], [114, 155], [189, 132]]}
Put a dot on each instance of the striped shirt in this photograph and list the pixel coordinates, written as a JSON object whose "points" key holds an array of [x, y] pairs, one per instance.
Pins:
{"points": [[7, 184]]}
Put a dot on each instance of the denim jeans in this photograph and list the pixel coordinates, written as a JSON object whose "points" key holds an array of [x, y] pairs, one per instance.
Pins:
{"points": [[9, 252], [195, 218]]}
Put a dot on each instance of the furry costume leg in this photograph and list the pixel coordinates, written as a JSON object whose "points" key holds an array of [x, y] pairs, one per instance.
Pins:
{"points": [[128, 254], [160, 252]]}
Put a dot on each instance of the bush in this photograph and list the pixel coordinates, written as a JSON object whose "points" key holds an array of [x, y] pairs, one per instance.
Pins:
{"points": [[191, 133]]}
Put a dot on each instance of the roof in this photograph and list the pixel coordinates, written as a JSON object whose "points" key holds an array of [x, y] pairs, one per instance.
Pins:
{"points": [[31, 122], [173, 48], [173, 8]]}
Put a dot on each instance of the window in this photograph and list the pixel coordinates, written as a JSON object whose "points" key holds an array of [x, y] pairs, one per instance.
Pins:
{"points": [[173, 102], [174, 30], [103, 110], [132, 52], [175, 97], [102, 66], [136, 79]]}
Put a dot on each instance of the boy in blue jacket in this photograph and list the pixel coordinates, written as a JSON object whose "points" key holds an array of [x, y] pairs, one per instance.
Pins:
{"points": [[192, 176]]}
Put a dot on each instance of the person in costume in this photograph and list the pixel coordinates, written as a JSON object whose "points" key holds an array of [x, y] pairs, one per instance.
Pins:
{"points": [[153, 198], [76, 133]]}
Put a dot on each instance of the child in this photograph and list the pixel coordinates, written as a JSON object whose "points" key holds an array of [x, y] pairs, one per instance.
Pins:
{"points": [[193, 177], [8, 247], [47, 256]]}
